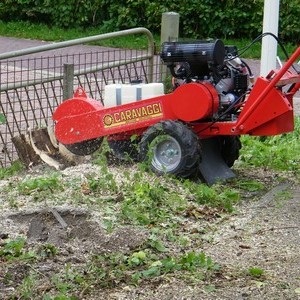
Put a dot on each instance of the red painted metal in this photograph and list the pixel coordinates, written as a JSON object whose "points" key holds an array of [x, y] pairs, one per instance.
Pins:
{"points": [[195, 101], [81, 118], [269, 108], [94, 123], [267, 111], [261, 94]]}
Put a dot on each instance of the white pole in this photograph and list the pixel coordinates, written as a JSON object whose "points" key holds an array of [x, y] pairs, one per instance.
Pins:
{"points": [[269, 44]]}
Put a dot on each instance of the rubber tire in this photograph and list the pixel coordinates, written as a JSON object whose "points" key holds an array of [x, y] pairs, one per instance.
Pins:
{"points": [[230, 149], [187, 140], [85, 148], [124, 149]]}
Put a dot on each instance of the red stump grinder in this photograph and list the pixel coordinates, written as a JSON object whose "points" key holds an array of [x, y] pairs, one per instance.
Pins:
{"points": [[197, 127]]}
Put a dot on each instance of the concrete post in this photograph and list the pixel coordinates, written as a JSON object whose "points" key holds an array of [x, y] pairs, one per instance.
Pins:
{"points": [[269, 44], [169, 27], [68, 81], [169, 33]]}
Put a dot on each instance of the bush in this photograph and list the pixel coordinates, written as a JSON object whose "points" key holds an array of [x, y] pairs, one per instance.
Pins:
{"points": [[198, 19]]}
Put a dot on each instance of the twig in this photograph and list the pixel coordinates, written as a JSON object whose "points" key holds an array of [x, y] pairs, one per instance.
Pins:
{"points": [[276, 228], [37, 271], [83, 291], [59, 218]]}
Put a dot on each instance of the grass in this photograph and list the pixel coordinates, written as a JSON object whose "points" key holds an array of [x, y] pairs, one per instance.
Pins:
{"points": [[15, 168], [43, 32], [21, 29], [271, 152], [256, 272]]}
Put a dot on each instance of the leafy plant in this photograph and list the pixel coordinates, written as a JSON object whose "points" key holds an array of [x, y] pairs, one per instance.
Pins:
{"points": [[103, 184], [15, 168], [195, 16], [15, 249], [39, 184], [250, 185], [256, 272], [213, 196], [137, 258], [191, 261], [272, 151], [47, 250], [26, 289], [2, 119], [149, 202], [156, 244]]}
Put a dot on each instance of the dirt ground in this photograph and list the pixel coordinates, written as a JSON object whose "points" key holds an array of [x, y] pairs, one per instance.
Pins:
{"points": [[263, 234]]}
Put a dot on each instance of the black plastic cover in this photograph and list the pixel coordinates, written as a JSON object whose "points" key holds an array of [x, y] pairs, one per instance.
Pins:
{"points": [[199, 52]]}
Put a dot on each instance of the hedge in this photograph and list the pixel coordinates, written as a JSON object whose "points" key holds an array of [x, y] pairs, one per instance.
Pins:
{"points": [[198, 18]]}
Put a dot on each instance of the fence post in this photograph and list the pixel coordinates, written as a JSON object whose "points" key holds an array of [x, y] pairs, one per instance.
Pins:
{"points": [[68, 81], [169, 27], [269, 44], [169, 33]]}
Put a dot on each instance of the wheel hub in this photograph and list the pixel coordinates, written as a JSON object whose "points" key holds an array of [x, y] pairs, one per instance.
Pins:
{"points": [[166, 154]]}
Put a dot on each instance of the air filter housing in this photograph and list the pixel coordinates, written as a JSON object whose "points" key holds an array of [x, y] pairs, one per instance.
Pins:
{"points": [[192, 60], [199, 52]]}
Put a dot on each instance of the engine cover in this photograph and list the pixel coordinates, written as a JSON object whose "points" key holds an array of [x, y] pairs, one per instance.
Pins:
{"points": [[195, 101], [198, 52]]}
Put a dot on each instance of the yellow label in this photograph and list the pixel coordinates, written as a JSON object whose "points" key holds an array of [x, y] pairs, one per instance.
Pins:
{"points": [[133, 115]]}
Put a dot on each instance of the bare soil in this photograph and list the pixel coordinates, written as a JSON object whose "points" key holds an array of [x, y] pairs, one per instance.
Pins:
{"points": [[263, 233]]}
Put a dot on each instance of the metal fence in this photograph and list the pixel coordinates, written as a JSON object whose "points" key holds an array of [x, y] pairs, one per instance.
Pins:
{"points": [[31, 87]]}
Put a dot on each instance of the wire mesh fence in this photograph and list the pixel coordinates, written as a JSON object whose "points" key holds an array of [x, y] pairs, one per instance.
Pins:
{"points": [[31, 88]]}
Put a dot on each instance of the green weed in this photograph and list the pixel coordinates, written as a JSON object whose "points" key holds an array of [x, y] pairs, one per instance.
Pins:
{"points": [[281, 197], [144, 265], [149, 202], [40, 184], [104, 184], [47, 250], [59, 297], [26, 289], [250, 185], [108, 270], [256, 272], [191, 261], [15, 249], [2, 119], [217, 196], [195, 264], [155, 243], [281, 152], [15, 168]]}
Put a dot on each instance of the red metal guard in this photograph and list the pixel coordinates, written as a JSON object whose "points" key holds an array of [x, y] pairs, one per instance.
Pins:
{"points": [[268, 110]]}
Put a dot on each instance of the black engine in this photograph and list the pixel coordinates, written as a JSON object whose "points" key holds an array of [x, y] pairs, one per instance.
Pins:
{"points": [[211, 62]]}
